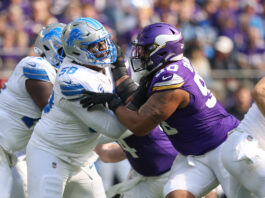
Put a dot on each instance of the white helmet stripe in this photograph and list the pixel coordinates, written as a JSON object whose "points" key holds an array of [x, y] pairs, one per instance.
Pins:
{"points": [[162, 39]]}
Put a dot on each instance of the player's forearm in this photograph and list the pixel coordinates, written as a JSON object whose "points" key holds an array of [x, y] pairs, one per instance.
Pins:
{"points": [[138, 124], [110, 153], [258, 95]]}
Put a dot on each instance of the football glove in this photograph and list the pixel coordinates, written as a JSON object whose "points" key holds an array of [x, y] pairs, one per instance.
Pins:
{"points": [[109, 100]]}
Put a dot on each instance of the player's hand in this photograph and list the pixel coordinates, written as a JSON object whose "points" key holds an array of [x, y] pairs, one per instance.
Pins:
{"points": [[109, 100], [118, 67]]}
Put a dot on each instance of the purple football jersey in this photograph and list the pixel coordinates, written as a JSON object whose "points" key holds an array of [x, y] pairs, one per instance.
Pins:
{"points": [[202, 125], [150, 155]]}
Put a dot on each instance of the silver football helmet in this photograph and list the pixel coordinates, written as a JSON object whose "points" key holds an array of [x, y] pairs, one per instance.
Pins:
{"points": [[86, 41], [48, 44]]}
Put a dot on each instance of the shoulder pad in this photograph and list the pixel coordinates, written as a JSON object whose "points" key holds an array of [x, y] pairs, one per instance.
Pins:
{"points": [[35, 73], [36, 68], [167, 80]]}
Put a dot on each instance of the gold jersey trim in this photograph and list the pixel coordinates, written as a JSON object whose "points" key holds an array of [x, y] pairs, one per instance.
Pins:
{"points": [[167, 87]]}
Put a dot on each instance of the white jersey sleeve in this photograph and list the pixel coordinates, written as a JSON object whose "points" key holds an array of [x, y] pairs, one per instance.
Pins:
{"points": [[72, 81], [98, 119], [68, 130], [39, 69], [14, 97]]}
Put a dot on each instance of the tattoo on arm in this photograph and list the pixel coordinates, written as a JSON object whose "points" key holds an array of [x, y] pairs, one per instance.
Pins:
{"points": [[156, 107]]}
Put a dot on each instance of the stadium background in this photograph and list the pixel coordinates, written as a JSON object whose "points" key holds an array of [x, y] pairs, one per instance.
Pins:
{"points": [[224, 39]]}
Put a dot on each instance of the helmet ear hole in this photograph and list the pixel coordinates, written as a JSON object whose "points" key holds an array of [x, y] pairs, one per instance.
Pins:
{"points": [[75, 53], [46, 48], [173, 32]]}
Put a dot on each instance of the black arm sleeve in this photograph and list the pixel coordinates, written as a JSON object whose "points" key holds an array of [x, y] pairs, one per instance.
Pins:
{"points": [[126, 89]]}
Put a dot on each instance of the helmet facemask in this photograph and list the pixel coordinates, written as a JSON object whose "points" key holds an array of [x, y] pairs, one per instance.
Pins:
{"points": [[99, 52], [140, 57]]}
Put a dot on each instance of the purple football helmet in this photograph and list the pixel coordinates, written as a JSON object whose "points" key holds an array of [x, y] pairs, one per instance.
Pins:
{"points": [[156, 45]]}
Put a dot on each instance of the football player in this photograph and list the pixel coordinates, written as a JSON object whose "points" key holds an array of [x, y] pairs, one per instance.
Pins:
{"points": [[24, 96], [175, 96], [60, 150], [150, 156]]}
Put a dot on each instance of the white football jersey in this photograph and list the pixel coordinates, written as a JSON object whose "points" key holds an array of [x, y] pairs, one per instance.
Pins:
{"points": [[67, 130], [14, 96], [254, 124], [18, 112]]}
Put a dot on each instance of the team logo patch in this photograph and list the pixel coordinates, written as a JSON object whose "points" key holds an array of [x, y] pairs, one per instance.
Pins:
{"points": [[32, 64], [166, 77]]}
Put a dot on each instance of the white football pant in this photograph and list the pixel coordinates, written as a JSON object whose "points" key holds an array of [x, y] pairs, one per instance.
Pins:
{"points": [[48, 176], [245, 160], [198, 174]]}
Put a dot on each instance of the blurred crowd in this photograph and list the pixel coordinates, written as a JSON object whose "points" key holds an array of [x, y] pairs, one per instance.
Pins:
{"points": [[224, 39]]}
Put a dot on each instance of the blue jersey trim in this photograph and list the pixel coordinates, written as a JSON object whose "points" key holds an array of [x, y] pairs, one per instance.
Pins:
{"points": [[71, 90], [37, 74]]}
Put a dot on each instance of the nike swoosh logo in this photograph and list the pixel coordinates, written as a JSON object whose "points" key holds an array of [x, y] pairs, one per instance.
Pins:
{"points": [[32, 64], [166, 77]]}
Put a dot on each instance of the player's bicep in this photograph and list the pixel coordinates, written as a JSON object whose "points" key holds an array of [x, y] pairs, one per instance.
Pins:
{"points": [[39, 91], [162, 105]]}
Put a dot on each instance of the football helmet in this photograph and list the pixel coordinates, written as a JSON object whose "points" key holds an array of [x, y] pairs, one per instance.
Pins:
{"points": [[48, 44], [155, 45], [86, 41]]}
